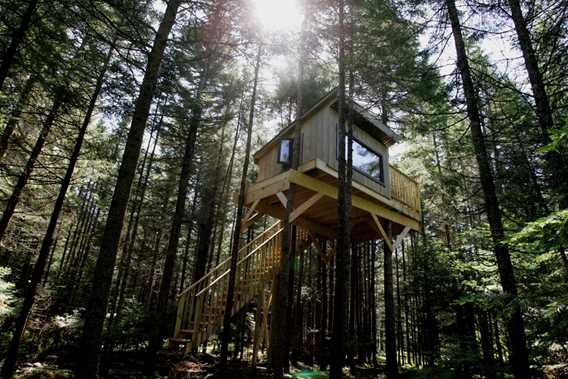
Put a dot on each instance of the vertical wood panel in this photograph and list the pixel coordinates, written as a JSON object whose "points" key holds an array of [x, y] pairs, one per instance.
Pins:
{"points": [[320, 142]]}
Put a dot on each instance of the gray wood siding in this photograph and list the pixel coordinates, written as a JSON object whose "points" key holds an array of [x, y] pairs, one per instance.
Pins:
{"points": [[268, 165], [319, 141]]}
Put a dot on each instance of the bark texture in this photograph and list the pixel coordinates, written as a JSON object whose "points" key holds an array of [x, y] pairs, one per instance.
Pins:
{"points": [[14, 198], [238, 220], [519, 352], [47, 242], [16, 40], [87, 366]]}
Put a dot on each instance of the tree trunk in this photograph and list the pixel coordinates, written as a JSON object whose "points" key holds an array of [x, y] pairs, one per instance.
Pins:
{"points": [[352, 310], [161, 314], [84, 257], [227, 186], [84, 193], [555, 161], [390, 319], [49, 263], [487, 345], [15, 115], [39, 267], [27, 172], [156, 251], [188, 241], [17, 38], [117, 297], [343, 212], [87, 366], [519, 352], [373, 304], [205, 223], [464, 369], [226, 332], [279, 346]]}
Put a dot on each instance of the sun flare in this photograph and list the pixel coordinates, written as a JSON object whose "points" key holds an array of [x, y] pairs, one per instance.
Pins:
{"points": [[278, 15]]}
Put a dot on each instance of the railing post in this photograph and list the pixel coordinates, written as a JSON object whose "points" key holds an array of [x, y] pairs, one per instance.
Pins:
{"points": [[196, 335], [182, 303]]}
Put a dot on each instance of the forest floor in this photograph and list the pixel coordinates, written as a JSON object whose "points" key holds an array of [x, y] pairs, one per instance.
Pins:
{"points": [[176, 366], [206, 366]]}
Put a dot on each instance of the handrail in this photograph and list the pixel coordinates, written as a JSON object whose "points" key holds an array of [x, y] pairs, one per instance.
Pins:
{"points": [[260, 235], [393, 167], [199, 312], [256, 249], [240, 261], [213, 282], [404, 189], [210, 272]]}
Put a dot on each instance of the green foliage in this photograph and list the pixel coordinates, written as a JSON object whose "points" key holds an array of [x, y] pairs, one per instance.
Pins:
{"points": [[131, 325], [41, 371], [559, 139], [7, 294], [3, 116], [546, 234]]}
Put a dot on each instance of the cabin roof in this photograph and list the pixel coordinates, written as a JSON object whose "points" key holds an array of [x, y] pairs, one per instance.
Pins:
{"points": [[363, 118]]}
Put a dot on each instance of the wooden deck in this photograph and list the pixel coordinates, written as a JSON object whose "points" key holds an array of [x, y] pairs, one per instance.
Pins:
{"points": [[315, 203]]}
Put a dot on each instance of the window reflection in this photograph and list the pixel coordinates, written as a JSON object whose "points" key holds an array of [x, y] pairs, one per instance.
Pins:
{"points": [[285, 150], [367, 161]]}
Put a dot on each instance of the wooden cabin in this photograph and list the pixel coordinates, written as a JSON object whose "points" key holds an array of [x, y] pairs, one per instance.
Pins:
{"points": [[380, 191]]}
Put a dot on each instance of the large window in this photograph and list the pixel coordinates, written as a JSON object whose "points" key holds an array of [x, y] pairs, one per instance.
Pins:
{"points": [[366, 161]]}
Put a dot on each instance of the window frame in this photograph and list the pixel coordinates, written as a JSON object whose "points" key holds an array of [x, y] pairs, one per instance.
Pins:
{"points": [[290, 152], [380, 181]]}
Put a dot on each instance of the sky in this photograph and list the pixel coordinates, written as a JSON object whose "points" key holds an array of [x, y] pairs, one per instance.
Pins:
{"points": [[285, 16], [277, 16]]}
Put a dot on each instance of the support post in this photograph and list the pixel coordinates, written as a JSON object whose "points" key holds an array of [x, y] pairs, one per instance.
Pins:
{"points": [[257, 326], [390, 322]]}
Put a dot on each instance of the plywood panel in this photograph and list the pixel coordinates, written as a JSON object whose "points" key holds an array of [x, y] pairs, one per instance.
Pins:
{"points": [[268, 165], [319, 141]]}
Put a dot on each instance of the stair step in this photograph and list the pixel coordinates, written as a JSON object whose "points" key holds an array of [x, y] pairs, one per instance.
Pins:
{"points": [[257, 271]]}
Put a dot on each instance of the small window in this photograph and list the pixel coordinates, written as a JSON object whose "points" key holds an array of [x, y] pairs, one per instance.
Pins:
{"points": [[285, 151], [366, 161]]}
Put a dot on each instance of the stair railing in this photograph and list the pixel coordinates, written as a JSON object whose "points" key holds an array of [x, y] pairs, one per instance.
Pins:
{"points": [[186, 306], [202, 305], [253, 270]]}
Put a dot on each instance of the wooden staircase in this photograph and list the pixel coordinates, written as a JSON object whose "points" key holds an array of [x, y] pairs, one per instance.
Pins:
{"points": [[201, 307]]}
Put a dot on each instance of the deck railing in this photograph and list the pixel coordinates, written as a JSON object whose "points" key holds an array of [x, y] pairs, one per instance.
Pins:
{"points": [[404, 189]]}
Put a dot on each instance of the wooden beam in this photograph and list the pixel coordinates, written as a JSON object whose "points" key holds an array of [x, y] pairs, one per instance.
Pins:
{"points": [[250, 212], [372, 207], [309, 165], [251, 220], [382, 231], [283, 199], [415, 214], [267, 182], [305, 206], [267, 188], [278, 212]]}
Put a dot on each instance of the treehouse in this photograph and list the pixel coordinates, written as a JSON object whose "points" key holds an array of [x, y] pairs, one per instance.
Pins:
{"points": [[385, 205], [379, 189]]}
